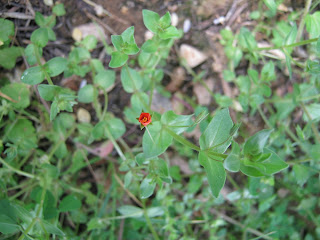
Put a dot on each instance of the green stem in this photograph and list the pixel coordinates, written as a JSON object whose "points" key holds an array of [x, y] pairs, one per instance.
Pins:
{"points": [[36, 52], [104, 111], [299, 161], [57, 145], [36, 218], [115, 144], [22, 191], [182, 140], [154, 233], [301, 25], [233, 182], [29, 175], [301, 43], [264, 117]]}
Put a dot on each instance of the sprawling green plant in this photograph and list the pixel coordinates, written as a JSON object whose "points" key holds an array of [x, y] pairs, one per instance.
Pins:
{"points": [[41, 170]]}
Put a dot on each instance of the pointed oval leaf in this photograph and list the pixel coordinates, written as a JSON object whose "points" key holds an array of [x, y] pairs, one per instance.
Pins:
{"points": [[215, 171]]}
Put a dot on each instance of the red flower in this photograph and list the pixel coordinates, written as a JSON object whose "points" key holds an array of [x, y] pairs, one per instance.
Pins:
{"points": [[145, 119]]}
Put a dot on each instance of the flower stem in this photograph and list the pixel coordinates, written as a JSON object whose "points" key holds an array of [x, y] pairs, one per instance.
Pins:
{"points": [[154, 233], [29, 175], [301, 43]]}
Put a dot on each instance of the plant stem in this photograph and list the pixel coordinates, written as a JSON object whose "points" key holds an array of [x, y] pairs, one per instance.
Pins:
{"points": [[115, 144], [57, 145], [264, 117], [301, 25], [182, 140], [104, 111], [29, 175], [133, 197], [154, 233], [36, 218], [36, 52], [233, 182], [299, 161], [290, 45]]}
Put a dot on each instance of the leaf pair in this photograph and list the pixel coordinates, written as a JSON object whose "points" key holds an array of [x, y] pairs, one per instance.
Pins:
{"points": [[125, 45]]}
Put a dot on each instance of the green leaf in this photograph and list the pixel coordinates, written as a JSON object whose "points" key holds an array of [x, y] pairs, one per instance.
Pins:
{"points": [[8, 56], [254, 75], [215, 173], [232, 162], [131, 49], [118, 59], [7, 225], [274, 163], [161, 169], [160, 141], [48, 92], [130, 211], [155, 212], [69, 203], [7, 209], [86, 94], [291, 37], [250, 171], [151, 20], [59, 10], [30, 54], [50, 228], [33, 75], [117, 42], [23, 134], [194, 184], [6, 30], [89, 42], [18, 92], [40, 37], [170, 32], [255, 144], [216, 135], [301, 173], [165, 20], [247, 40], [147, 187], [105, 79], [116, 127], [40, 19], [177, 123], [313, 24], [96, 223], [56, 66], [314, 111], [150, 46], [128, 35], [268, 72], [271, 4], [98, 130], [97, 64], [130, 79]]}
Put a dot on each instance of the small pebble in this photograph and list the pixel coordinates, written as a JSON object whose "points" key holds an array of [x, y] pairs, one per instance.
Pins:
{"points": [[83, 83], [186, 25], [148, 35], [83, 115], [174, 19]]}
